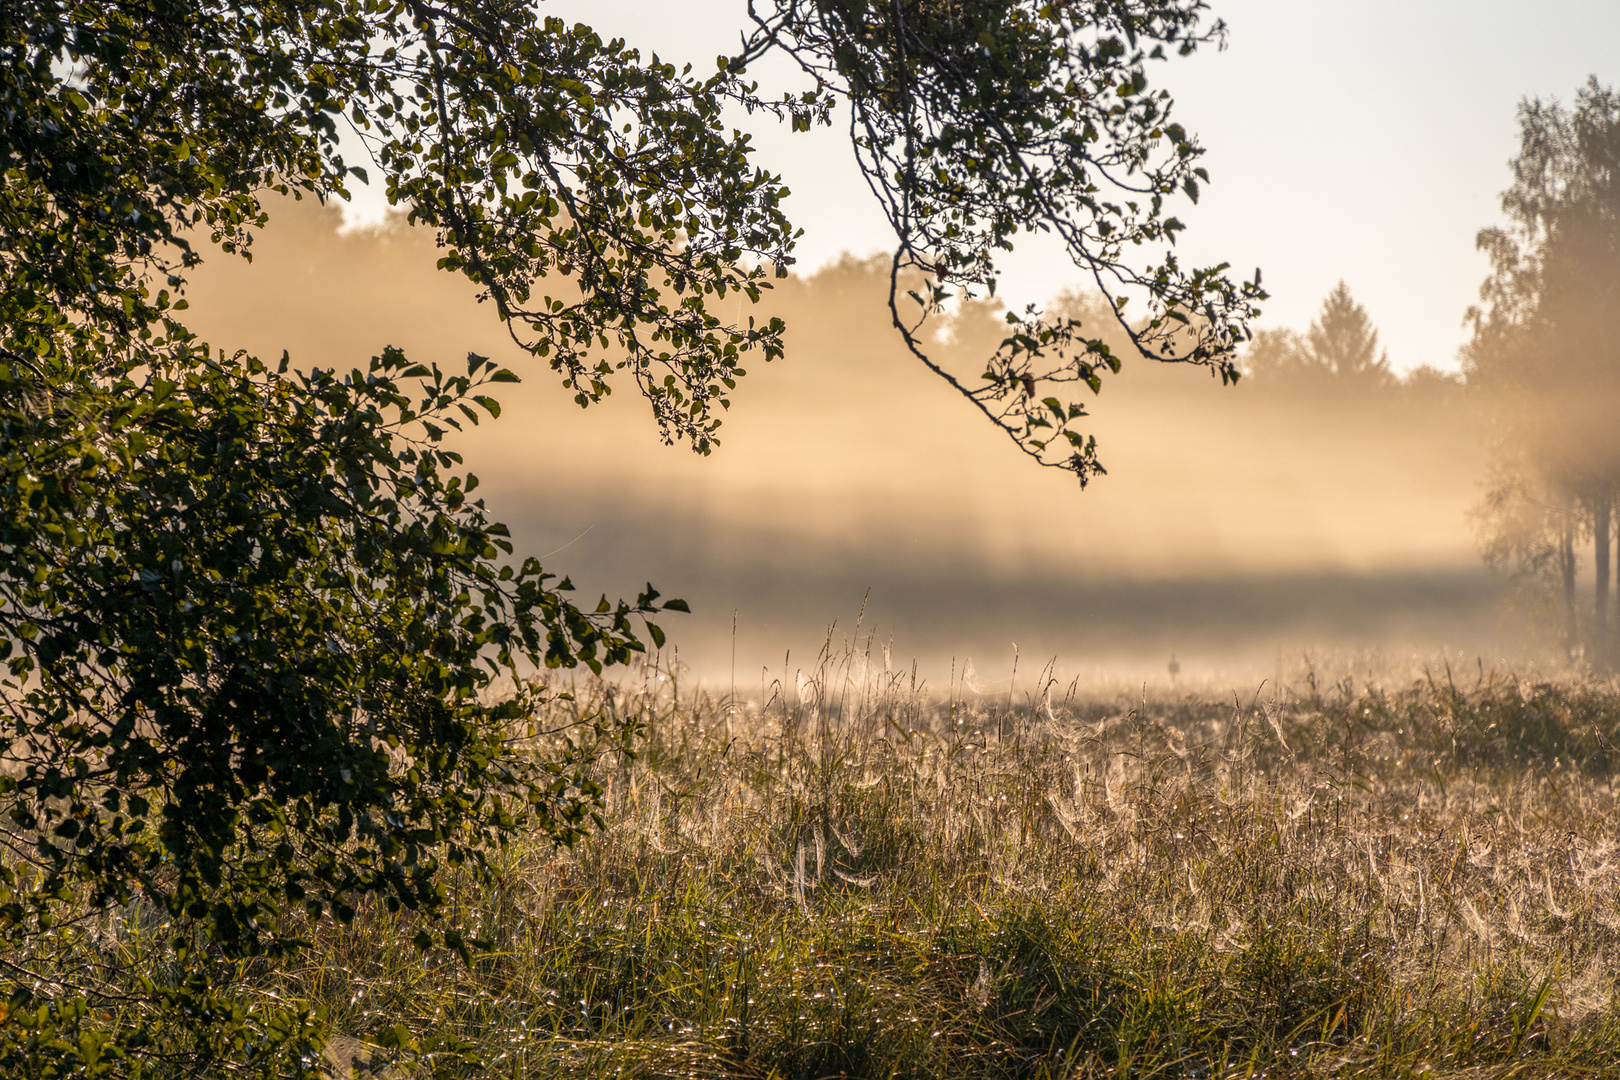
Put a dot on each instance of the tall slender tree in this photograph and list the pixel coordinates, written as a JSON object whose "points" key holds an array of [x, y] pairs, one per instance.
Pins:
{"points": [[1546, 345]]}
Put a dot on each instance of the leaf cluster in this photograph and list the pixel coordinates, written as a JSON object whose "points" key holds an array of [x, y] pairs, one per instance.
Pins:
{"points": [[978, 123], [255, 622]]}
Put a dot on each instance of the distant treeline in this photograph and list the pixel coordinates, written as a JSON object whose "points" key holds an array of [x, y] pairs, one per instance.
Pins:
{"points": [[1337, 357]]}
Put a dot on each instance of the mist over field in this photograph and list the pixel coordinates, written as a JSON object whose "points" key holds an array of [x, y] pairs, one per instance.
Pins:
{"points": [[1235, 526], [1211, 670]]}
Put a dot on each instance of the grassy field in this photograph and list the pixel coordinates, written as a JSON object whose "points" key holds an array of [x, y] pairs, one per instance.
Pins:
{"points": [[860, 877]]}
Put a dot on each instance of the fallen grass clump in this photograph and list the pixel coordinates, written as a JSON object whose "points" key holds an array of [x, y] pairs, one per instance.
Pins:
{"points": [[854, 877]]}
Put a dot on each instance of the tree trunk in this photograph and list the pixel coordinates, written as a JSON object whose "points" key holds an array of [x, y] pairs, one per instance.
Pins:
{"points": [[1600, 541], [1566, 560]]}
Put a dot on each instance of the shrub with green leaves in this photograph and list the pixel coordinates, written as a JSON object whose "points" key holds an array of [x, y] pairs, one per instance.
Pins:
{"points": [[253, 626], [265, 650]]}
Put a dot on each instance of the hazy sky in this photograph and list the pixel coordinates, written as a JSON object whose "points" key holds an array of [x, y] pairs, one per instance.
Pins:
{"points": [[1362, 139]]}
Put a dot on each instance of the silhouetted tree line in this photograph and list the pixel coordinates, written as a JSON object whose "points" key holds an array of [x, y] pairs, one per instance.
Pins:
{"points": [[1339, 357], [1336, 359], [1339, 352]]}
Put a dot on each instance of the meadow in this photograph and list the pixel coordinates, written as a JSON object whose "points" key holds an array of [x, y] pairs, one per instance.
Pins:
{"points": [[858, 876]]}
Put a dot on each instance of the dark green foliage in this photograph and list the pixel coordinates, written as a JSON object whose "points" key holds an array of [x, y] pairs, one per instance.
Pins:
{"points": [[254, 628], [267, 654]]}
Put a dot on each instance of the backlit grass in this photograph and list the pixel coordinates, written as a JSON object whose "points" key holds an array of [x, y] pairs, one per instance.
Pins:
{"points": [[858, 877]]}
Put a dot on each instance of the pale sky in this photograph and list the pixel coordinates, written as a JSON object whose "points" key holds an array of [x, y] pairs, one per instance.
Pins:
{"points": [[1358, 139]]}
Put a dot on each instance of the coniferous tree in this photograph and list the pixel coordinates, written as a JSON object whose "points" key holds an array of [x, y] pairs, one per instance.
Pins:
{"points": [[1337, 354], [1342, 341]]}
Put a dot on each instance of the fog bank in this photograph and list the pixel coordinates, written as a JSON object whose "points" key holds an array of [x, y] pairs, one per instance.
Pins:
{"points": [[1233, 524]]}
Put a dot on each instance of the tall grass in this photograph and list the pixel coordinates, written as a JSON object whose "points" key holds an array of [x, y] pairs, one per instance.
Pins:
{"points": [[855, 876]]}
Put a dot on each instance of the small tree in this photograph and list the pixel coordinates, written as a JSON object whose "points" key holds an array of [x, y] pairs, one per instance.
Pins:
{"points": [[254, 618], [1341, 340]]}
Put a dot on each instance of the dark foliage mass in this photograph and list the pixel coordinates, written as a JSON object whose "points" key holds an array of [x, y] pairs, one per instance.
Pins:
{"points": [[265, 649]]}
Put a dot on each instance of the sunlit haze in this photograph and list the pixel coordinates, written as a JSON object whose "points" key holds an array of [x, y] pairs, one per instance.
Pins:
{"points": [[677, 595], [1229, 528], [1366, 142]]}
